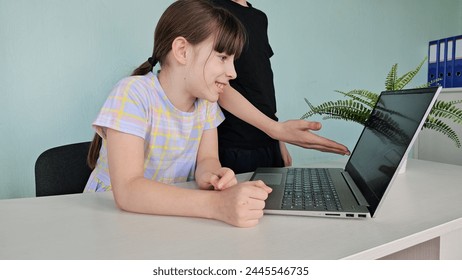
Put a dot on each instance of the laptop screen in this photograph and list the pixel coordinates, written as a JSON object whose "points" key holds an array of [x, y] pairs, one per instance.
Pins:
{"points": [[388, 133]]}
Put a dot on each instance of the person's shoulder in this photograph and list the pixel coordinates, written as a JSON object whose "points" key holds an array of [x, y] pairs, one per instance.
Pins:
{"points": [[137, 80], [257, 11], [138, 85]]}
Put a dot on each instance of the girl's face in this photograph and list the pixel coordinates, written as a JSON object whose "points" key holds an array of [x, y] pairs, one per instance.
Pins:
{"points": [[210, 71]]}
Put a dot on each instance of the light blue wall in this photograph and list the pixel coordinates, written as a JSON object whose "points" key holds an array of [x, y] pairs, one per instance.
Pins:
{"points": [[322, 46], [59, 59]]}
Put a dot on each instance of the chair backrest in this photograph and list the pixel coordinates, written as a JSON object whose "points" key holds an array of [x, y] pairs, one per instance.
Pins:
{"points": [[62, 170]]}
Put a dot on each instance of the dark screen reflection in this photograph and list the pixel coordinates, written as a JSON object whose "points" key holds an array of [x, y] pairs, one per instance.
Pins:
{"points": [[385, 139]]}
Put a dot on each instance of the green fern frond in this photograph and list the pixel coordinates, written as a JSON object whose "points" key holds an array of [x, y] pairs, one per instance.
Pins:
{"points": [[425, 85], [309, 113], [439, 126], [454, 102], [363, 96], [358, 107], [309, 104], [447, 110], [341, 118], [349, 110], [391, 77], [402, 81], [428, 84]]}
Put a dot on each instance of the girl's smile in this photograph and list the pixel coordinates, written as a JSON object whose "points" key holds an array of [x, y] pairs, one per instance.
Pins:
{"points": [[220, 86]]}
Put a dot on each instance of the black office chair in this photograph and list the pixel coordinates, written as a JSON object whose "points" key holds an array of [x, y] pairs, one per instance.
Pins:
{"points": [[62, 170]]}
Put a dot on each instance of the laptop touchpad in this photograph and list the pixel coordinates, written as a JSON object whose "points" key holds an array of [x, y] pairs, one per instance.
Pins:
{"points": [[269, 178]]}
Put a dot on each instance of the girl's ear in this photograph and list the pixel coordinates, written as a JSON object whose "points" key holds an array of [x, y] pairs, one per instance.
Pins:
{"points": [[179, 48]]}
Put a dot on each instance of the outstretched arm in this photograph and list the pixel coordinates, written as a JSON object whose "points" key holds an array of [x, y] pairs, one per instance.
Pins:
{"points": [[296, 132]]}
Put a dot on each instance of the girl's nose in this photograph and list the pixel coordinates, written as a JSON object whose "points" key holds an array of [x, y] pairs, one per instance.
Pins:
{"points": [[230, 71]]}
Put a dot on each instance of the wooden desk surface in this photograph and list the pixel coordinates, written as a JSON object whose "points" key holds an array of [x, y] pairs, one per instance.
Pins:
{"points": [[423, 203]]}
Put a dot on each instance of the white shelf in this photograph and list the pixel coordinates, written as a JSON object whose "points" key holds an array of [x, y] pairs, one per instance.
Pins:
{"points": [[451, 90], [435, 146]]}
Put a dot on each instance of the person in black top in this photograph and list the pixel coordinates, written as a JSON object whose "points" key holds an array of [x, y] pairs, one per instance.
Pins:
{"points": [[242, 146]]}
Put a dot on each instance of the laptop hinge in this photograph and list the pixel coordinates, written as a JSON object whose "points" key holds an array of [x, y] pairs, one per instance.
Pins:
{"points": [[354, 189]]}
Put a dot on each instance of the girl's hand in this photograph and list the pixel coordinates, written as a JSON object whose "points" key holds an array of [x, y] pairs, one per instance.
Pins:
{"points": [[221, 179], [242, 205]]}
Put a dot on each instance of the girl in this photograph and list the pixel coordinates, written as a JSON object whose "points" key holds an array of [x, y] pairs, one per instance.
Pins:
{"points": [[161, 129]]}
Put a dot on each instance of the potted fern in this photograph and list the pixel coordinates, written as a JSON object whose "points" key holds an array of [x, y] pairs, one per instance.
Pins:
{"points": [[359, 103]]}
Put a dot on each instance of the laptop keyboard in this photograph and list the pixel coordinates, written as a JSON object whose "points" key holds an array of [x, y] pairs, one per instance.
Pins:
{"points": [[310, 189]]}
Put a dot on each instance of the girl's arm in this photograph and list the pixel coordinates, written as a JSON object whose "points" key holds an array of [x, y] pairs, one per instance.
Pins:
{"points": [[296, 132], [209, 172], [240, 206]]}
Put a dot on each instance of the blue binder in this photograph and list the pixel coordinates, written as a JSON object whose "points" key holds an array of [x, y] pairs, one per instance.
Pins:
{"points": [[441, 62], [457, 75], [432, 61], [445, 62], [449, 61]]}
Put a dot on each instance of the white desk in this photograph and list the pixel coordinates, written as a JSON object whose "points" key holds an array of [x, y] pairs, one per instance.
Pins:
{"points": [[424, 204]]}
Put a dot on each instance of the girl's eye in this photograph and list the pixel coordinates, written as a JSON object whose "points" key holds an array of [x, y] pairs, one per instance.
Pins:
{"points": [[223, 57]]}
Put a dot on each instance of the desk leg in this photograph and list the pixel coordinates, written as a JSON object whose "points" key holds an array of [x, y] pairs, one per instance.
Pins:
{"points": [[428, 250], [451, 245]]}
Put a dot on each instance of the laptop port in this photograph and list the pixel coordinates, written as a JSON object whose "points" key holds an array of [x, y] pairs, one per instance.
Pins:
{"points": [[350, 215], [362, 215], [332, 214]]}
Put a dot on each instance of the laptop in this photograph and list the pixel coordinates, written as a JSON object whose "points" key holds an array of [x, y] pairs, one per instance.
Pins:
{"points": [[358, 190]]}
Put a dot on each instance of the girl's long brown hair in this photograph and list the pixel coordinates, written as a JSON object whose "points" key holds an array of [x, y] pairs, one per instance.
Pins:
{"points": [[195, 20]]}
